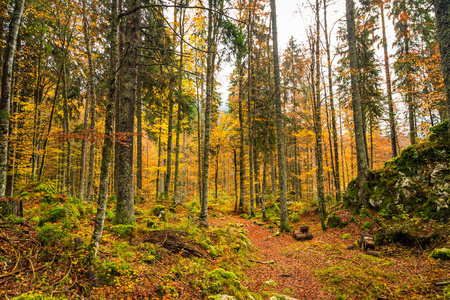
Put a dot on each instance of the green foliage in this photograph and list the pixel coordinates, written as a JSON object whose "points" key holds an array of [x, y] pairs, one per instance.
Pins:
{"points": [[442, 254], [157, 209], [55, 214], [37, 296], [52, 234], [109, 272], [123, 231], [367, 226]]}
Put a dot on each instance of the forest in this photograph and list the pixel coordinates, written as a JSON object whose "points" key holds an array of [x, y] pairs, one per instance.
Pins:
{"points": [[126, 171]]}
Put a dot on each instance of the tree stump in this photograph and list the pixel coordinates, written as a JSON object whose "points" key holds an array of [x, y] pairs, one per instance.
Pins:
{"points": [[366, 241], [304, 229]]}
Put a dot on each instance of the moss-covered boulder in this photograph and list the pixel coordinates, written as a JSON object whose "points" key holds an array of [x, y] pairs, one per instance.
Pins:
{"points": [[417, 181]]}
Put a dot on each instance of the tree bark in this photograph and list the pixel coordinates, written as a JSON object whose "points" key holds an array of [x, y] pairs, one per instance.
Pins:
{"points": [[388, 85], [241, 142], [284, 221], [125, 125], [361, 155], [337, 178], [210, 62], [318, 125], [249, 112], [442, 10], [108, 141], [5, 102]]}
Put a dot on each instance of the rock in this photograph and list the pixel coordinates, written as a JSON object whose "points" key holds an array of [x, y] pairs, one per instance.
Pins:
{"points": [[222, 297], [281, 297]]}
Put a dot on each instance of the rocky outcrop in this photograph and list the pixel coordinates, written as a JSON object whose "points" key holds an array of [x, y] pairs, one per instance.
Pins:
{"points": [[416, 182]]}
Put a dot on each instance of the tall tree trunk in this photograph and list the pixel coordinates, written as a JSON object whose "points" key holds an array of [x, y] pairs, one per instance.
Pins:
{"points": [[8, 208], [108, 141], [388, 85], [67, 154], [235, 180], [210, 62], [361, 155], [125, 125], [442, 9], [249, 112], [241, 142], [176, 196], [337, 178], [284, 214], [158, 172], [169, 147], [139, 138], [318, 125], [92, 101]]}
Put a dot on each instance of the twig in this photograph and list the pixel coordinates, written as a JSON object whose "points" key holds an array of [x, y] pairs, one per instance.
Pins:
{"points": [[444, 283], [263, 262], [32, 268]]}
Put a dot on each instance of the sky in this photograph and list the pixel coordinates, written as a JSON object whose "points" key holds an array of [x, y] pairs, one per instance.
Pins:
{"points": [[293, 19]]}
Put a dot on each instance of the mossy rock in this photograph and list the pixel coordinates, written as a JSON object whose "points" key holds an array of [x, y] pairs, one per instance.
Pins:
{"points": [[334, 221], [442, 254]]}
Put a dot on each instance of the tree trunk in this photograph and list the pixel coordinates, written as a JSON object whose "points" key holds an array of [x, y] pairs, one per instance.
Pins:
{"points": [[442, 9], [337, 178], [388, 85], [241, 143], [169, 147], [284, 222], [108, 141], [8, 208], [176, 196], [125, 125], [92, 101], [318, 126], [361, 155], [210, 62], [139, 138], [249, 112]]}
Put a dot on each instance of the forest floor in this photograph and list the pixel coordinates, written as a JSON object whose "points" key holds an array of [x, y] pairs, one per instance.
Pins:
{"points": [[323, 268], [43, 255]]}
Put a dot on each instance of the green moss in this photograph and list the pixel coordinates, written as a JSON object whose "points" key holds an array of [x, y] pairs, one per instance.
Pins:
{"points": [[123, 231], [334, 221], [442, 254], [346, 236], [367, 226]]}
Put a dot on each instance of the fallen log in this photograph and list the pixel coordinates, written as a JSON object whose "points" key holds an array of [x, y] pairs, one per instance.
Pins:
{"points": [[444, 283], [373, 252], [303, 236]]}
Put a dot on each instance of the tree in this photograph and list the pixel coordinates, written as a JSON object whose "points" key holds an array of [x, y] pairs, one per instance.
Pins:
{"points": [[108, 141], [388, 84], [284, 222], [5, 102], [361, 155], [318, 123], [125, 108], [442, 10]]}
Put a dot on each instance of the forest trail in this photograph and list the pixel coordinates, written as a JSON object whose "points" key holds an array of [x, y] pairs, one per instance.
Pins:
{"points": [[283, 263]]}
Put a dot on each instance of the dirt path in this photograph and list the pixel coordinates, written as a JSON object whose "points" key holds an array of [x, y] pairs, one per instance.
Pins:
{"points": [[277, 270]]}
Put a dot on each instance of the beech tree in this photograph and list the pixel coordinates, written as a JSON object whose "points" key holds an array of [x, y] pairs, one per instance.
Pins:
{"points": [[7, 208]]}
